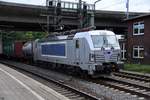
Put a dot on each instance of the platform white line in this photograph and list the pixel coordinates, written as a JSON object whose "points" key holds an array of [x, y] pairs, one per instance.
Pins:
{"points": [[28, 88]]}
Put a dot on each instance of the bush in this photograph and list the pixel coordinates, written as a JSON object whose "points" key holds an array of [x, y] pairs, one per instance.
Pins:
{"points": [[137, 68]]}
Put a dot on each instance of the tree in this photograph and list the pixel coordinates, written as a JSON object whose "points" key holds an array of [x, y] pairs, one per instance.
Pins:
{"points": [[19, 35]]}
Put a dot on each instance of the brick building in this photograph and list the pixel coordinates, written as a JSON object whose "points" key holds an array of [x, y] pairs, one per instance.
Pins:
{"points": [[138, 39]]}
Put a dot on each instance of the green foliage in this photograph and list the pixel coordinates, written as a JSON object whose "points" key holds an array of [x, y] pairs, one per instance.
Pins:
{"points": [[39, 35], [138, 68], [29, 35], [24, 35]]}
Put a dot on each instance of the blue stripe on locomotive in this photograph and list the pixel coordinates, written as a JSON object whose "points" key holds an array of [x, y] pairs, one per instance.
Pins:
{"points": [[53, 49]]}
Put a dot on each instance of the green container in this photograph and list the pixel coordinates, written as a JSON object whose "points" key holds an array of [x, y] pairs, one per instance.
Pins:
{"points": [[8, 47]]}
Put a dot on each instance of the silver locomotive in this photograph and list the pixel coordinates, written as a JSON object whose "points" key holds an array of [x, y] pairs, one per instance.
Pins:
{"points": [[93, 52]]}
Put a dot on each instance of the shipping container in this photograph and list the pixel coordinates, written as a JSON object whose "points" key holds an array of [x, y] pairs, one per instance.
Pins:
{"points": [[18, 49], [8, 47], [1, 50]]}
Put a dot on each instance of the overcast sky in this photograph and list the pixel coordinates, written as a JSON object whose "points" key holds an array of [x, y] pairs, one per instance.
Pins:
{"points": [[115, 5]]}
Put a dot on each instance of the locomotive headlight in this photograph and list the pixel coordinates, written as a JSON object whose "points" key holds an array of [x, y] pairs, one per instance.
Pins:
{"points": [[102, 48], [92, 57], [112, 48]]}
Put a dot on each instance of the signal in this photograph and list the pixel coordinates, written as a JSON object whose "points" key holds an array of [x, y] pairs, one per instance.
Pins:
{"points": [[85, 15], [50, 3], [84, 10], [58, 10]]}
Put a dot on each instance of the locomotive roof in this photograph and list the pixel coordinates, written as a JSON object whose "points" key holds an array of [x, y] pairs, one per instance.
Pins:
{"points": [[77, 35], [94, 32], [101, 32]]}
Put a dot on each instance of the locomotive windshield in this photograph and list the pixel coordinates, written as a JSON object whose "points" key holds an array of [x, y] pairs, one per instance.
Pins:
{"points": [[104, 40]]}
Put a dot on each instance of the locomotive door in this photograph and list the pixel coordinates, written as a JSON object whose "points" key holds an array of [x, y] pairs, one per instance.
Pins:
{"points": [[77, 51]]}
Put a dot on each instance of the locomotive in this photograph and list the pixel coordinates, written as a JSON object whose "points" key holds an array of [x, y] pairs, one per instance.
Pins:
{"points": [[92, 52]]}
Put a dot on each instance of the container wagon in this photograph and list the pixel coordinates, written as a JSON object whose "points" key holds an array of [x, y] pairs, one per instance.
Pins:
{"points": [[1, 47], [13, 49], [18, 53], [8, 48]]}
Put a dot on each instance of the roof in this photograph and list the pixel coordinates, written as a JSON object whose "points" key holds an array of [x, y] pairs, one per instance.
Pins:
{"points": [[140, 16], [33, 18], [94, 32], [101, 32]]}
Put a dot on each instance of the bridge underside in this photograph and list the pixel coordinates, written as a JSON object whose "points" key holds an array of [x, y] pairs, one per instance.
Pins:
{"points": [[20, 17], [20, 26]]}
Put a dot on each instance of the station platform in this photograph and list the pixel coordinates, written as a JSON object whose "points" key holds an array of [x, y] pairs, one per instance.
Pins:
{"points": [[17, 86]]}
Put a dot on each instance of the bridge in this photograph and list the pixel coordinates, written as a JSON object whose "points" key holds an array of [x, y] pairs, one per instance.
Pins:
{"points": [[23, 17]]}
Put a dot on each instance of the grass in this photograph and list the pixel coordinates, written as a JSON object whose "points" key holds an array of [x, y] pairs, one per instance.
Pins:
{"points": [[137, 68]]}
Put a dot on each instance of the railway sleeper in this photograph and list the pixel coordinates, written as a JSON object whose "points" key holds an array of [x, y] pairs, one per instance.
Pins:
{"points": [[132, 77], [58, 89], [74, 96], [64, 91], [70, 94], [67, 93], [80, 98]]}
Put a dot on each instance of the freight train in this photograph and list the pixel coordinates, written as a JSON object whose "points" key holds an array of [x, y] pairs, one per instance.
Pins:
{"points": [[91, 52], [12, 49]]}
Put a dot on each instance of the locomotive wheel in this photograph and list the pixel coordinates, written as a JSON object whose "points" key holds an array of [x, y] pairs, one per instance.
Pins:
{"points": [[115, 68]]}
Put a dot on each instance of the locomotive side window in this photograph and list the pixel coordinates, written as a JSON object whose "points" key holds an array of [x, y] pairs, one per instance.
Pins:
{"points": [[77, 43]]}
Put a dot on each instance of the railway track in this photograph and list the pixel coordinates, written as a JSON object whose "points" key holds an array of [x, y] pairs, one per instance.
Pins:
{"points": [[132, 81], [58, 86], [133, 75], [135, 84], [116, 82], [124, 85]]}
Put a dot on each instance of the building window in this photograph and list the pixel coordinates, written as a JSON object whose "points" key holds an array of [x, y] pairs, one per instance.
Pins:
{"points": [[138, 28], [123, 52], [138, 52]]}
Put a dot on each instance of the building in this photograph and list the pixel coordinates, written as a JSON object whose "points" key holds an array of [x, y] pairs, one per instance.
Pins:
{"points": [[122, 43], [138, 39]]}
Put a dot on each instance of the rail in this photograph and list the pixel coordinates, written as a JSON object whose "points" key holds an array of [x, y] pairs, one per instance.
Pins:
{"points": [[66, 88]]}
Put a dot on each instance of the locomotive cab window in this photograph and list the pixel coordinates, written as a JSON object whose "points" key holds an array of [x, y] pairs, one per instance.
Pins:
{"points": [[77, 43], [104, 40]]}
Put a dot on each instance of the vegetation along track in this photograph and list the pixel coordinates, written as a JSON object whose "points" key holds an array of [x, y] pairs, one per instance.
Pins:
{"points": [[60, 87]]}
